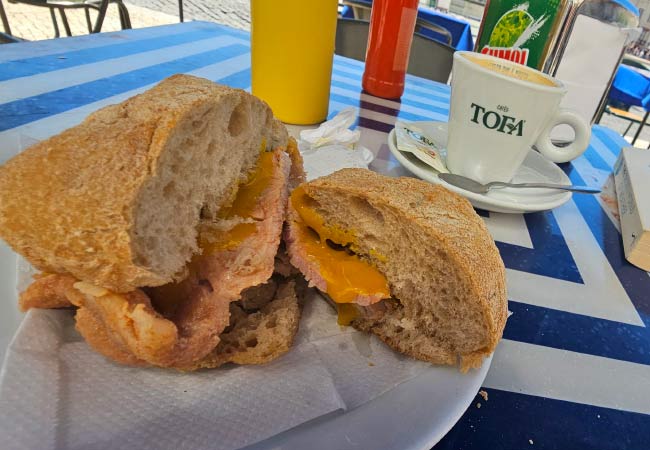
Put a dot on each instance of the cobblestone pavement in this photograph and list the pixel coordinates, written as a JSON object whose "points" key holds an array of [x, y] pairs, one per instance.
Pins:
{"points": [[34, 23], [235, 13]]}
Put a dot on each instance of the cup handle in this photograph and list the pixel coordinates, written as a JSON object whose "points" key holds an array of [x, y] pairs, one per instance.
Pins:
{"points": [[574, 149]]}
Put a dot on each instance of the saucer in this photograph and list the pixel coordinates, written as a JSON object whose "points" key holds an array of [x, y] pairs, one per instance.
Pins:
{"points": [[535, 169]]}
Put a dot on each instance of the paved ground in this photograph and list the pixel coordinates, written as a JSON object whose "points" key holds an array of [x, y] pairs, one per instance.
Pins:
{"points": [[235, 13], [34, 23]]}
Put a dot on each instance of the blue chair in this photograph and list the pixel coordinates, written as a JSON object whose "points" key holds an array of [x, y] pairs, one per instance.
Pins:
{"points": [[633, 89]]}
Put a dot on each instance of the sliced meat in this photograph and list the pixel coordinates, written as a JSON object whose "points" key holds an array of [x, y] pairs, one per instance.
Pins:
{"points": [[96, 334], [120, 324], [297, 175], [283, 264], [201, 310], [218, 278], [47, 291], [309, 267], [252, 262]]}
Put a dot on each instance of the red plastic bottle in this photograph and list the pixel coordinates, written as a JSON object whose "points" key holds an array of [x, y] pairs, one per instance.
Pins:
{"points": [[392, 23]]}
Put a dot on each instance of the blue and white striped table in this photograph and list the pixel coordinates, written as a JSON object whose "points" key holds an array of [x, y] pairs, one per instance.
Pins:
{"points": [[573, 370]]}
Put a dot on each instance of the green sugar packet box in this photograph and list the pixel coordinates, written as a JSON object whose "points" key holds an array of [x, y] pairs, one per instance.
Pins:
{"points": [[523, 31]]}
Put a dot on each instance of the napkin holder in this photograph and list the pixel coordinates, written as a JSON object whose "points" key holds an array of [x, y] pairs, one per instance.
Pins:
{"points": [[586, 56]]}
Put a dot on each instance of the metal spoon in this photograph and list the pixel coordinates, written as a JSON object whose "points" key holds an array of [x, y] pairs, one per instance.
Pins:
{"points": [[474, 186]]}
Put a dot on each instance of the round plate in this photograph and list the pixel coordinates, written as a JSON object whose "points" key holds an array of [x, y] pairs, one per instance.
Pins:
{"points": [[535, 168], [414, 415]]}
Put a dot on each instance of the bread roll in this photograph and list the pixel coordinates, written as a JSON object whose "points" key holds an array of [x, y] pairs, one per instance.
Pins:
{"points": [[116, 200], [448, 300]]}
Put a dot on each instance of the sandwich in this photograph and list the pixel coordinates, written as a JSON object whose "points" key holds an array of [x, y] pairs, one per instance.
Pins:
{"points": [[159, 221], [402, 259]]}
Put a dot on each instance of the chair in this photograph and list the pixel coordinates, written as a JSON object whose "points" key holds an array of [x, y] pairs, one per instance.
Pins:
{"points": [[633, 89], [351, 38], [3, 18], [625, 115], [98, 5], [429, 59]]}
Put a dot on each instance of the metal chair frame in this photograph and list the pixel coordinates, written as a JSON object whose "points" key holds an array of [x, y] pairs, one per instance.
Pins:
{"points": [[100, 6], [3, 17]]}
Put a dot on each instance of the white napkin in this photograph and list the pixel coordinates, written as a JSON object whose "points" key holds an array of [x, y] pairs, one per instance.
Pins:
{"points": [[333, 146], [334, 131], [55, 392], [58, 393]]}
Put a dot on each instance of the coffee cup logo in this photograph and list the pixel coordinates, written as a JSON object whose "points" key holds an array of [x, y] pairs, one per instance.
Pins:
{"points": [[493, 120], [499, 110]]}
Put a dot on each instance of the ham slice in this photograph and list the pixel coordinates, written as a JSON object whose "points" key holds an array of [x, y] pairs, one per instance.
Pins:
{"points": [[310, 267]]}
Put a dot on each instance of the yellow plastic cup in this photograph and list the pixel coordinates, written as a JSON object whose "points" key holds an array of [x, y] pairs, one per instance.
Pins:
{"points": [[292, 46]]}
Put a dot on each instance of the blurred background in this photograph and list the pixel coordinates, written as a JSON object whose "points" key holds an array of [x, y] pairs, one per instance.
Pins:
{"points": [[34, 20]]}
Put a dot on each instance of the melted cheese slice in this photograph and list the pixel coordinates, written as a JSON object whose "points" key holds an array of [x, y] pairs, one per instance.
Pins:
{"points": [[347, 275], [250, 191], [214, 240], [347, 312]]}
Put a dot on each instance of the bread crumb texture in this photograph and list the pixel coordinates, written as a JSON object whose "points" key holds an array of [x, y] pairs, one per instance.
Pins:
{"points": [[116, 200], [444, 270]]}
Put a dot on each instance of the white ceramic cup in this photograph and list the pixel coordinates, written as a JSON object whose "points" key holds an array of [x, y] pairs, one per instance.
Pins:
{"points": [[499, 110]]}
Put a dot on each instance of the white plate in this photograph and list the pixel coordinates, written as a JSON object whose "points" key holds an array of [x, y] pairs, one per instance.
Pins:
{"points": [[535, 169], [414, 415]]}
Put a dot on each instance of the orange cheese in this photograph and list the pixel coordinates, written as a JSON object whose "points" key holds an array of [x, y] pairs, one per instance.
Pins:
{"points": [[347, 312], [212, 241], [248, 194], [347, 275]]}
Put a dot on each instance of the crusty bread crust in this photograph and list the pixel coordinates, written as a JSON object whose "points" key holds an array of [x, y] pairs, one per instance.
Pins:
{"points": [[445, 227], [83, 202]]}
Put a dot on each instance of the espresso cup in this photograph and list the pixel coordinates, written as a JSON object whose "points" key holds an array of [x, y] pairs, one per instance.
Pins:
{"points": [[499, 110]]}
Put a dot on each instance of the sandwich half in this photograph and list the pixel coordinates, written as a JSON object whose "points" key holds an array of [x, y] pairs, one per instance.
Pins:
{"points": [[403, 259], [159, 219]]}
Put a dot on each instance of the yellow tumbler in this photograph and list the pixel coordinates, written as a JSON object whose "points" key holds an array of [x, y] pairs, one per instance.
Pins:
{"points": [[292, 47]]}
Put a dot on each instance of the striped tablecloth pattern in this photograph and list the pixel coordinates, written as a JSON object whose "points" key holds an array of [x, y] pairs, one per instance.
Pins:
{"points": [[573, 370]]}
